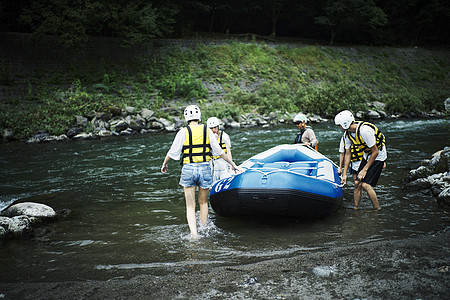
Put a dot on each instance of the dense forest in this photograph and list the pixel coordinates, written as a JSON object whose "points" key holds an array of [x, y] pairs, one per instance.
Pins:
{"points": [[367, 22]]}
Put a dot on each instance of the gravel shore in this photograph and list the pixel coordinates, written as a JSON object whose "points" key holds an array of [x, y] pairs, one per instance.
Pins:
{"points": [[399, 269]]}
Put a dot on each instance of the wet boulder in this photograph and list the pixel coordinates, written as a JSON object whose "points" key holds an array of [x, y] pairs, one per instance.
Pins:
{"points": [[3, 232], [147, 114], [136, 122], [20, 226], [324, 271], [73, 131], [128, 110], [432, 175], [119, 125], [8, 135], [444, 198], [418, 185], [30, 209], [16, 227], [19, 220]]}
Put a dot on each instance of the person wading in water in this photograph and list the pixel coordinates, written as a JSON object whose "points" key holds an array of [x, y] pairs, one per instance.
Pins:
{"points": [[197, 144], [369, 143], [306, 134]]}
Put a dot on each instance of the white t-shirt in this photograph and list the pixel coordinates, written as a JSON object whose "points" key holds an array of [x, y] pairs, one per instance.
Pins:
{"points": [[342, 145], [368, 136], [177, 145]]}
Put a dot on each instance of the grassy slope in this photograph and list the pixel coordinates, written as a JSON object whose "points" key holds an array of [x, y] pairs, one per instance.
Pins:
{"points": [[251, 76]]}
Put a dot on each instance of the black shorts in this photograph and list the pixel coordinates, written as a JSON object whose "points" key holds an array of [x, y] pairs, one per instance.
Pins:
{"points": [[373, 174]]}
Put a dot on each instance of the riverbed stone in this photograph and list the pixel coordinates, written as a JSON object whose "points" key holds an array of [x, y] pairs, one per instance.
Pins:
{"points": [[85, 136], [55, 138], [4, 221], [8, 135], [166, 123], [104, 116], [128, 110], [99, 124], [444, 197], [73, 131], [235, 124], [30, 209], [127, 131], [3, 233], [104, 133], [323, 271], [373, 114], [420, 172], [447, 105], [432, 175], [20, 226], [136, 122], [147, 114], [81, 121], [119, 125], [418, 185], [180, 123]]}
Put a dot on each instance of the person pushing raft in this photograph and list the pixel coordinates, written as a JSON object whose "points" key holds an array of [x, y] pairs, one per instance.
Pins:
{"points": [[369, 147], [196, 144], [221, 167]]}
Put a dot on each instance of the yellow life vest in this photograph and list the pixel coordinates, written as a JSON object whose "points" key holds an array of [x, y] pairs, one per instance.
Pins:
{"points": [[196, 147], [355, 155], [358, 144], [221, 144]]}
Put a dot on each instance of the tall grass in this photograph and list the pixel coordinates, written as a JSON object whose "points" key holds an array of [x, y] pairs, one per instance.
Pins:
{"points": [[248, 77]]}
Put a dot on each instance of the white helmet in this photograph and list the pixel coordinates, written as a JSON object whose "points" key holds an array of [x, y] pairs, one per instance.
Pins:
{"points": [[213, 122], [192, 112], [345, 118], [300, 118]]}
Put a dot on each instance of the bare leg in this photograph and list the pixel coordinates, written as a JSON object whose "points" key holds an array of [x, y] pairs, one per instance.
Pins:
{"points": [[203, 201], [189, 194], [372, 195], [357, 192]]}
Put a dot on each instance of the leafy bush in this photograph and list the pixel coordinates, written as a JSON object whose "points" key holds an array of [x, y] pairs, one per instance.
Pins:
{"points": [[404, 100], [181, 86], [329, 98]]}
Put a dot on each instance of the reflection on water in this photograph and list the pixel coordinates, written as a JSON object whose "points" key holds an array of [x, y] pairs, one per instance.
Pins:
{"points": [[127, 218]]}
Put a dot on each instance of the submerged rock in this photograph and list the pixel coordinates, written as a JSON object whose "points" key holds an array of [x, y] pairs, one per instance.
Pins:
{"points": [[323, 271]]}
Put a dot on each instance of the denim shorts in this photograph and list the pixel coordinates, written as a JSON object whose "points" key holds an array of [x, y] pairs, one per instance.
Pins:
{"points": [[197, 174]]}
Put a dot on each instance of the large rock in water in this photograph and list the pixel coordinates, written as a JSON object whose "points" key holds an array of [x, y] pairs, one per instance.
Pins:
{"points": [[19, 220], [30, 209]]}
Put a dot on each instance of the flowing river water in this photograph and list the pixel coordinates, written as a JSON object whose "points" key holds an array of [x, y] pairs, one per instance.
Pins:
{"points": [[127, 218]]}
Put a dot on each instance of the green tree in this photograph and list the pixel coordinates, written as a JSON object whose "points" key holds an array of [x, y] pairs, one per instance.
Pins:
{"points": [[351, 15], [135, 21]]}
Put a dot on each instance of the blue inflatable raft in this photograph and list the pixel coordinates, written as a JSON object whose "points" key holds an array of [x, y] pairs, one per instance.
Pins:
{"points": [[287, 180]]}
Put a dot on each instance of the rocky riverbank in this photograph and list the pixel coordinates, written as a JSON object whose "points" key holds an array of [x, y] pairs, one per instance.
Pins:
{"points": [[128, 121], [432, 176]]}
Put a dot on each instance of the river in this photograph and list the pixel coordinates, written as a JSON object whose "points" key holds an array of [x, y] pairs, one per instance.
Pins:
{"points": [[127, 218]]}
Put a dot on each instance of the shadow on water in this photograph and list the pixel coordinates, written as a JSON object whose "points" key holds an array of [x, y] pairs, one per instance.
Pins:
{"points": [[127, 218]]}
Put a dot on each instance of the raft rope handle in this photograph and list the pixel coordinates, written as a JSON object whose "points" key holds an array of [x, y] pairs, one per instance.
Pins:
{"points": [[290, 171]]}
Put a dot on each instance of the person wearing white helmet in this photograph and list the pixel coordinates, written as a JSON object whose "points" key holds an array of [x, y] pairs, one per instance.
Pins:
{"points": [[221, 167], [306, 134], [195, 147], [363, 141]]}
